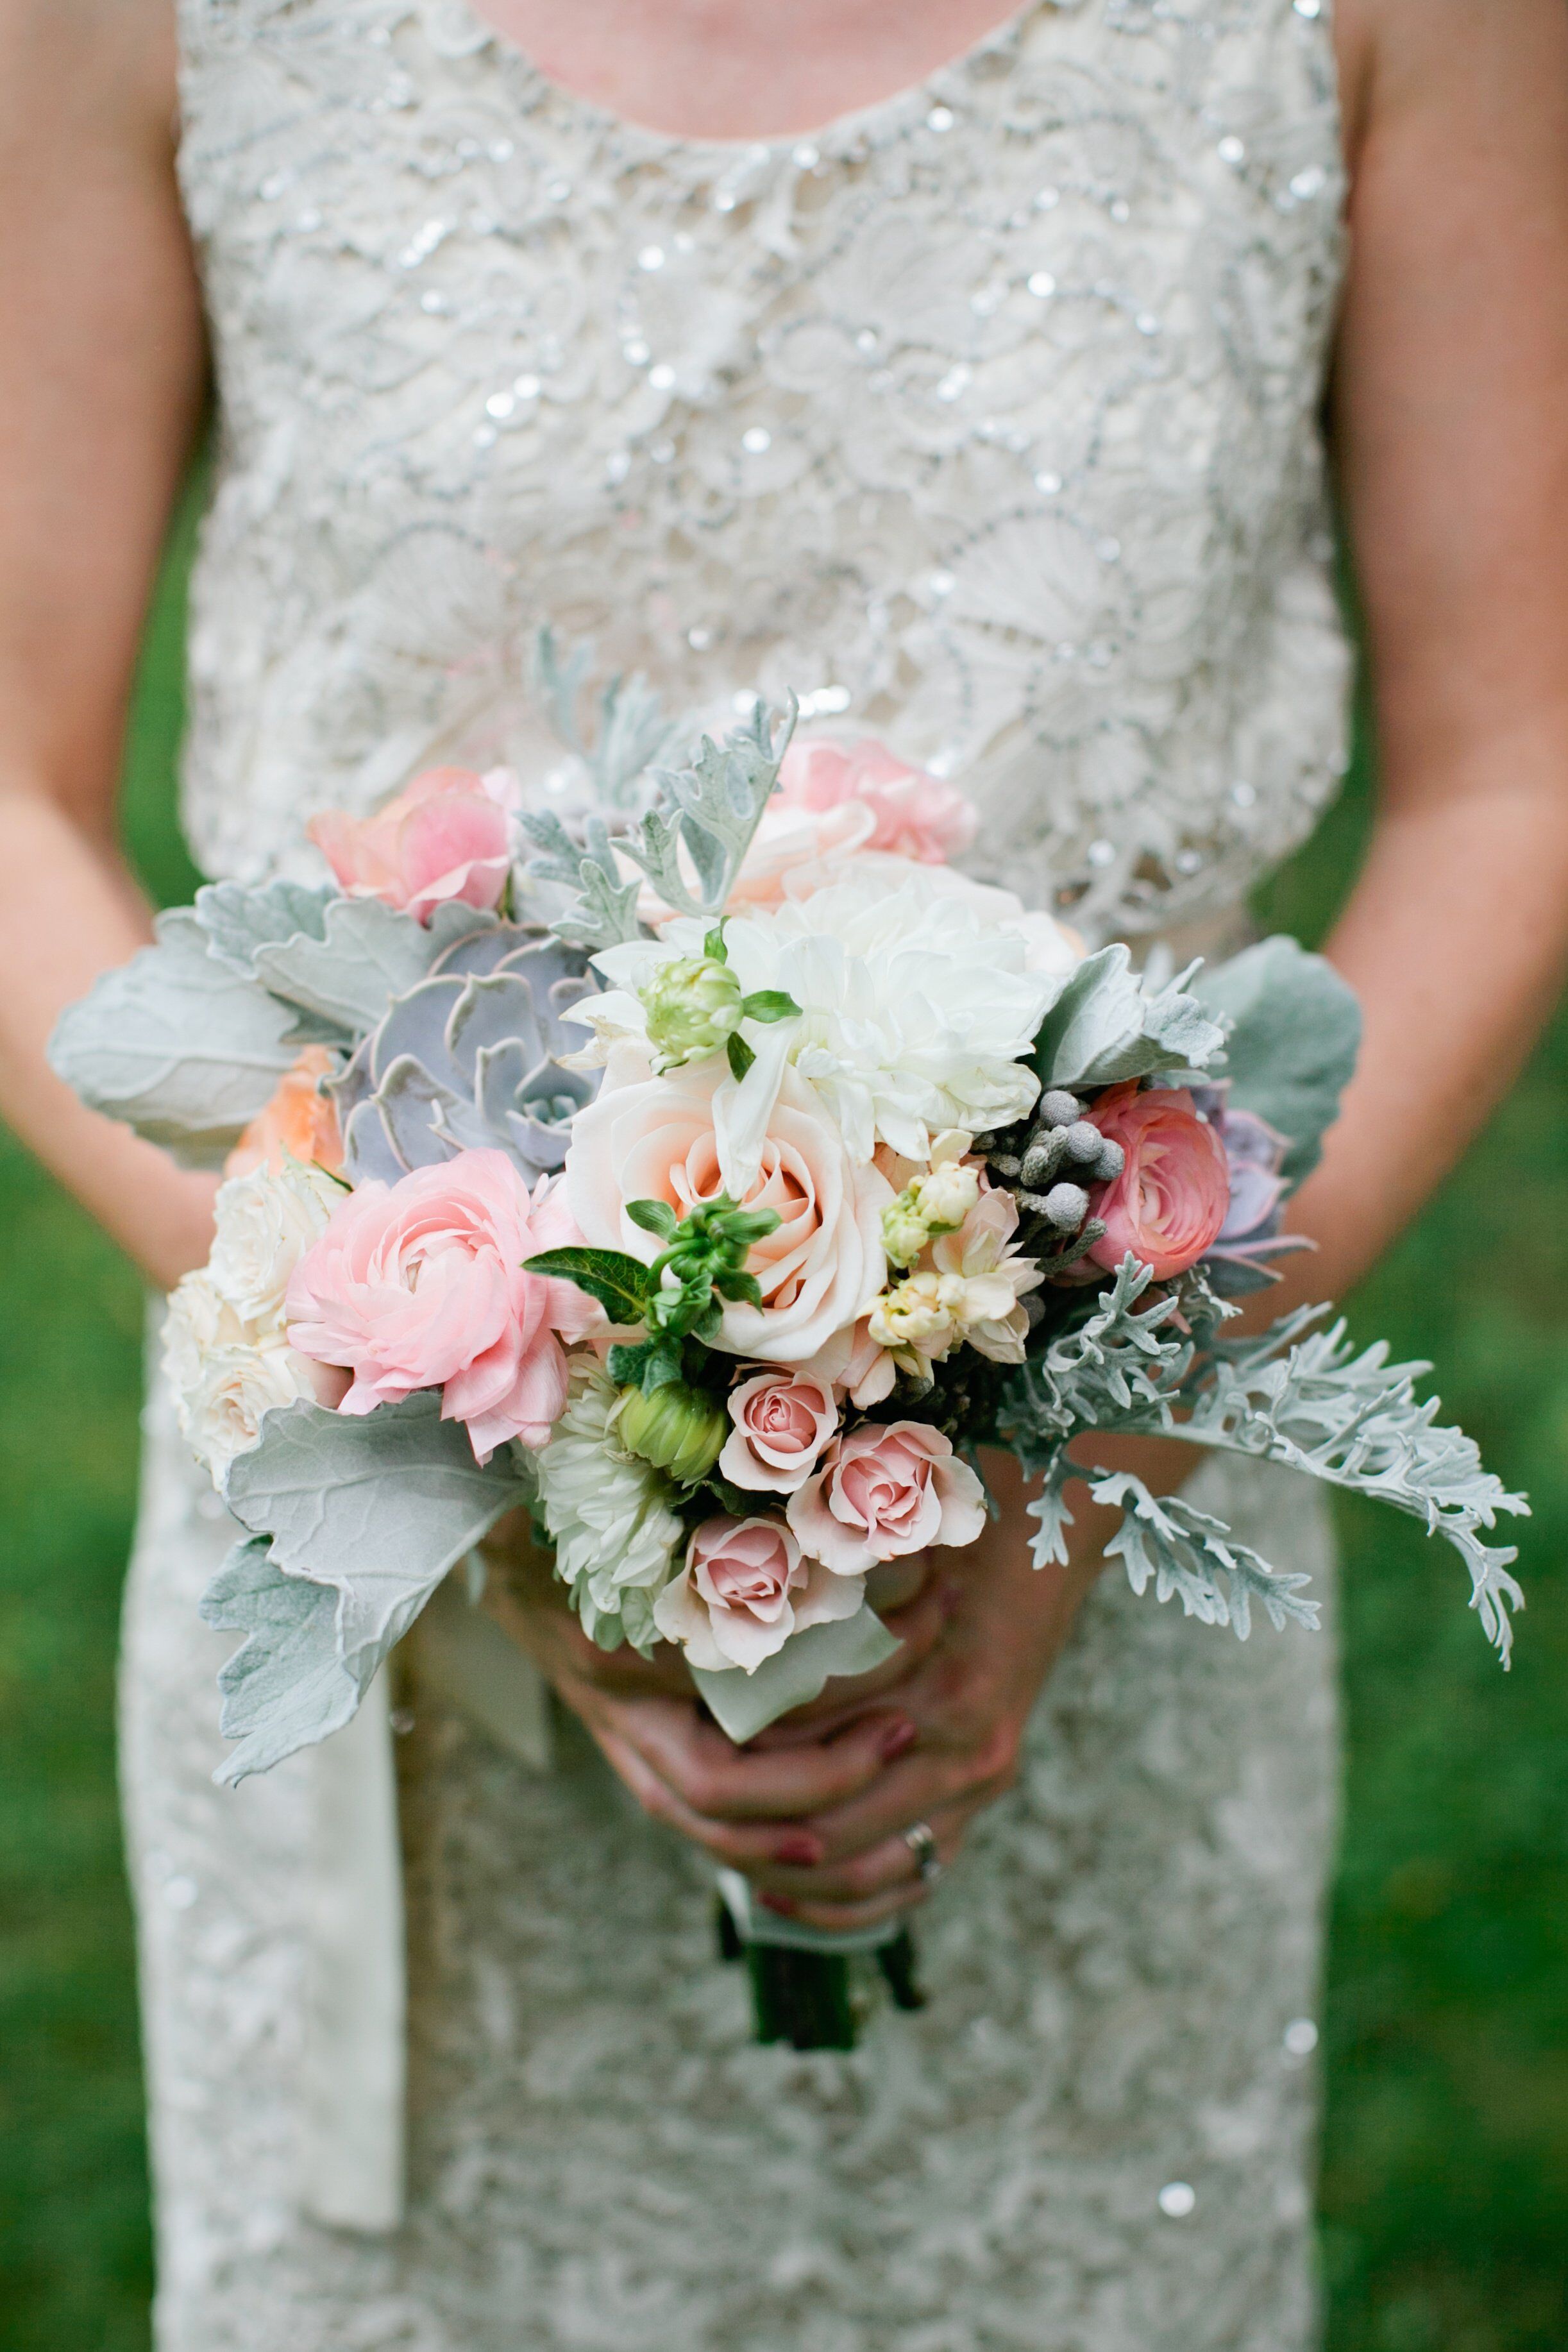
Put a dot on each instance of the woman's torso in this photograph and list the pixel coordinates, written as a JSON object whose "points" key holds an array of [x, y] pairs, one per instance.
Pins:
{"points": [[985, 418]]}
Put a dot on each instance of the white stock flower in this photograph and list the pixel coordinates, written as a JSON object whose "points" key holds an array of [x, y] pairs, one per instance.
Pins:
{"points": [[613, 1531], [266, 1223], [224, 1374]]}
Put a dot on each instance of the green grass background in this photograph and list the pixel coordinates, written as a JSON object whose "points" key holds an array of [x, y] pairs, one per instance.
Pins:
{"points": [[1444, 2191]]}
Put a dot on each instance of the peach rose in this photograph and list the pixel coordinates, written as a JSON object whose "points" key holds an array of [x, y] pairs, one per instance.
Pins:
{"points": [[743, 1589], [916, 815], [298, 1123], [653, 1138], [446, 836], [1169, 1204], [884, 1491], [782, 1421], [420, 1285]]}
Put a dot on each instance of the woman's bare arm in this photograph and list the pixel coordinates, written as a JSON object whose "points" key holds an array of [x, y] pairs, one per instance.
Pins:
{"points": [[101, 367]]}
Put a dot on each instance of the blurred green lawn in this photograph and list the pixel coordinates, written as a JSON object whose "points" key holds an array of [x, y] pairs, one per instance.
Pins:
{"points": [[1444, 2198]]}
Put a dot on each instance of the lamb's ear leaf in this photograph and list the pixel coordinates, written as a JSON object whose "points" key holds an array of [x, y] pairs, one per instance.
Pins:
{"points": [[176, 1044], [1294, 1037], [375, 1510], [239, 918], [367, 953], [286, 1686], [618, 1281]]}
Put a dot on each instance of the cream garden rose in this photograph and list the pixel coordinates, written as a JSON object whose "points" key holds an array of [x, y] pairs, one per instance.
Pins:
{"points": [[743, 1589], [653, 1138]]}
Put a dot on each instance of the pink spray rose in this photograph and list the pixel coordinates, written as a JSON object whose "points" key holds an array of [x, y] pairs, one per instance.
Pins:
{"points": [[782, 1421], [420, 1285], [743, 1589], [1169, 1204], [916, 815], [887, 1490], [446, 836]]}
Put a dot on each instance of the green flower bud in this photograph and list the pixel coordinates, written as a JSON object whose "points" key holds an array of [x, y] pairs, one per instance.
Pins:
{"points": [[693, 1007], [904, 1232], [678, 1429]]}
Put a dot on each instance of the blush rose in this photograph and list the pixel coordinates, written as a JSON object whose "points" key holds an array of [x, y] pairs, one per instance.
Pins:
{"points": [[420, 1284], [743, 1589], [447, 836], [914, 814], [1170, 1202], [782, 1421], [886, 1490]]}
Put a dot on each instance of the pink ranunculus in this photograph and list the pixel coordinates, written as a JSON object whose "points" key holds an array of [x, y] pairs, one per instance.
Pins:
{"points": [[446, 836], [1169, 1204], [782, 1421], [743, 1589], [885, 1491], [299, 1120], [917, 816], [420, 1285]]}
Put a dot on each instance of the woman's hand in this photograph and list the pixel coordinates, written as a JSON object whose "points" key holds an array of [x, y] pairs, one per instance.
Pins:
{"points": [[815, 1810], [741, 1805]]}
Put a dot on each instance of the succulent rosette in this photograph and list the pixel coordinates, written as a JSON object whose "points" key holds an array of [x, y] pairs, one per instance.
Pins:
{"points": [[714, 1173]]}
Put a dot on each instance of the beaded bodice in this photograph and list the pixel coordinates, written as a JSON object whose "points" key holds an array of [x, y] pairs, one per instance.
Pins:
{"points": [[985, 418]]}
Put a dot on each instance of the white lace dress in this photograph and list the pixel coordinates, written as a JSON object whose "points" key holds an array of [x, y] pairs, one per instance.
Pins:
{"points": [[986, 419]]}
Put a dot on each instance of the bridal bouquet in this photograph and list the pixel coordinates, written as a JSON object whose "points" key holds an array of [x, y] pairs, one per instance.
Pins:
{"points": [[709, 1167]]}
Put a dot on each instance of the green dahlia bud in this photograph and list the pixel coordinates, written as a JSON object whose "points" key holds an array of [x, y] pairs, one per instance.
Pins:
{"points": [[693, 1007], [677, 1428]]}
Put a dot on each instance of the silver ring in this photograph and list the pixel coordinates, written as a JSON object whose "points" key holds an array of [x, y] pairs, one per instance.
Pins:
{"points": [[921, 1840]]}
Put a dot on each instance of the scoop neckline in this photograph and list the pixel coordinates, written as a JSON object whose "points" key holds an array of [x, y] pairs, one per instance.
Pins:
{"points": [[836, 129]]}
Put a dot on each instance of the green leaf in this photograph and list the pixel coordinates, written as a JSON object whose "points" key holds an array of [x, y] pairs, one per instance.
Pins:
{"points": [[769, 1004], [741, 1057], [619, 1283], [650, 1364], [713, 947], [733, 1284], [655, 1217]]}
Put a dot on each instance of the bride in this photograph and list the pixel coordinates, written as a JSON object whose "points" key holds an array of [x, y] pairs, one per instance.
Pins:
{"points": [[965, 376]]}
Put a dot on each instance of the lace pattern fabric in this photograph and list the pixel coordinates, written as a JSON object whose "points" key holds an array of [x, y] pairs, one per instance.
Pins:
{"points": [[985, 418], [1121, 1966]]}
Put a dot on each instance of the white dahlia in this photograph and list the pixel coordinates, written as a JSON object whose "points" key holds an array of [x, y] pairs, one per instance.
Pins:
{"points": [[607, 1516]]}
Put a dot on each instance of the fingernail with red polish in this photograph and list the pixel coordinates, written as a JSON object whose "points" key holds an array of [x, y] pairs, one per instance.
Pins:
{"points": [[896, 1738], [779, 1903], [807, 1852]]}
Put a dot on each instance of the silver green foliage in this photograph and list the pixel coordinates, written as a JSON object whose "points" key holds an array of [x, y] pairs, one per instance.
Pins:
{"points": [[470, 1059], [1104, 1027], [632, 730], [701, 826], [366, 954], [370, 1513], [1294, 1033], [1297, 1396], [1194, 1558], [288, 1685], [176, 1044], [745, 1704]]}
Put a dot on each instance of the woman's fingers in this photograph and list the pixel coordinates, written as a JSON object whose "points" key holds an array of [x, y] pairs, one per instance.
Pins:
{"points": [[889, 1868], [718, 1782]]}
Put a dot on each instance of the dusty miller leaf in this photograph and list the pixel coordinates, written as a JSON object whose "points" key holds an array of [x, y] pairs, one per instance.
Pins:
{"points": [[367, 954], [286, 1686], [1104, 1028], [380, 1506], [238, 918], [177, 1044], [1195, 1558]]}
